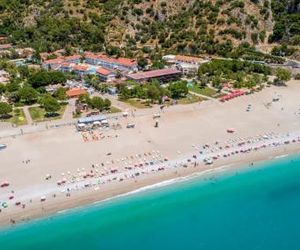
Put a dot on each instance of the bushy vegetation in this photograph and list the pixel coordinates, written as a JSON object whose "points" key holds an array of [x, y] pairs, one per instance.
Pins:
{"points": [[5, 109], [282, 76], [283, 50], [247, 52], [197, 27], [27, 87], [52, 27], [239, 73], [153, 91], [287, 22], [96, 102]]}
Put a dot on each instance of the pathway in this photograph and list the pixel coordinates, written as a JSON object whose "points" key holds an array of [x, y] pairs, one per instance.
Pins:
{"points": [[68, 114], [202, 96], [27, 114], [116, 103]]}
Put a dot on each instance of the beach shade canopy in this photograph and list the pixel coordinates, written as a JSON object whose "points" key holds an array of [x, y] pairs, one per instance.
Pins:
{"points": [[91, 119], [104, 122]]}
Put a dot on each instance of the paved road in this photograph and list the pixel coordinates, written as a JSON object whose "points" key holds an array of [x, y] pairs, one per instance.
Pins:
{"points": [[68, 115]]}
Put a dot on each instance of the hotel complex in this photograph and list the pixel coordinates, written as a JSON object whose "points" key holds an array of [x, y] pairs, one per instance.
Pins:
{"points": [[107, 68]]}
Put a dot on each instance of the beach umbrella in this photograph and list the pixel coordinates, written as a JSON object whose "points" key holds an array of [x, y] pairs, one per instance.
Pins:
{"points": [[4, 184]]}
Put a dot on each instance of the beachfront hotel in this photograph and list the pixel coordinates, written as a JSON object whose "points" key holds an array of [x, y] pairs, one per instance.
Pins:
{"points": [[121, 64], [162, 75]]}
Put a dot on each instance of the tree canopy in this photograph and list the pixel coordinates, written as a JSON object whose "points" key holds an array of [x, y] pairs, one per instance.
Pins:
{"points": [[5, 109], [283, 74], [27, 95], [50, 104], [44, 78], [178, 89]]}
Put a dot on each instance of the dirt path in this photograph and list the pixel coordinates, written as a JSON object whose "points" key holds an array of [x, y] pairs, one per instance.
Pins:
{"points": [[27, 115]]}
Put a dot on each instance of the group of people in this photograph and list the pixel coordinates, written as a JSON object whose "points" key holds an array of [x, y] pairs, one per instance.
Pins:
{"points": [[134, 166]]}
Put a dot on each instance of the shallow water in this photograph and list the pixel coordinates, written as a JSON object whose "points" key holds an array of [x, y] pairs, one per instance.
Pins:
{"points": [[251, 210]]}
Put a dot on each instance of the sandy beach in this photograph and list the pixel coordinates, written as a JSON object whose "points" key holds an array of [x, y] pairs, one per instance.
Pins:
{"points": [[59, 166]]}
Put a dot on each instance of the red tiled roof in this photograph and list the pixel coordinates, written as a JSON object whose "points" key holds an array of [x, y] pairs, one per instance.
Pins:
{"points": [[153, 73], [5, 46], [54, 61], [74, 57], [75, 92], [103, 71], [80, 67], [121, 60], [126, 61], [188, 59], [66, 64]]}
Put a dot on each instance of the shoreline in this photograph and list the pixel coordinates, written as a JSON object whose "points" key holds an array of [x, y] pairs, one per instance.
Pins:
{"points": [[88, 198], [70, 172]]}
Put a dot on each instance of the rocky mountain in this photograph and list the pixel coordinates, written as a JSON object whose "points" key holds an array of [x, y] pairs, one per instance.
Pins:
{"points": [[132, 27]]}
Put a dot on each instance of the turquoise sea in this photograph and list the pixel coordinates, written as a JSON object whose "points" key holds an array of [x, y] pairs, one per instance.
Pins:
{"points": [[255, 209]]}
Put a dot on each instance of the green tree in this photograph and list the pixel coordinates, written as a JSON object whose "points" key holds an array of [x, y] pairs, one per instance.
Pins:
{"points": [[50, 104], [13, 86], [158, 64], [142, 62], [107, 104], [27, 95], [97, 103], [5, 109], [84, 99], [2, 88], [153, 92], [60, 94], [44, 78], [178, 89], [282, 75]]}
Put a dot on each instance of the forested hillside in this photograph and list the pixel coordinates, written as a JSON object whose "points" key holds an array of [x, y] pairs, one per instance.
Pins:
{"points": [[287, 21], [130, 27]]}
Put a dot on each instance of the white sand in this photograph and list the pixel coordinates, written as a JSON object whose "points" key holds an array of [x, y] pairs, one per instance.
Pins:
{"points": [[181, 129]]}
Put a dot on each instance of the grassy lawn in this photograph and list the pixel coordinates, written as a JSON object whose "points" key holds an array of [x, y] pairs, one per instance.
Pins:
{"points": [[190, 99], [114, 110], [203, 91], [38, 114], [18, 117], [111, 110], [140, 104]]}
